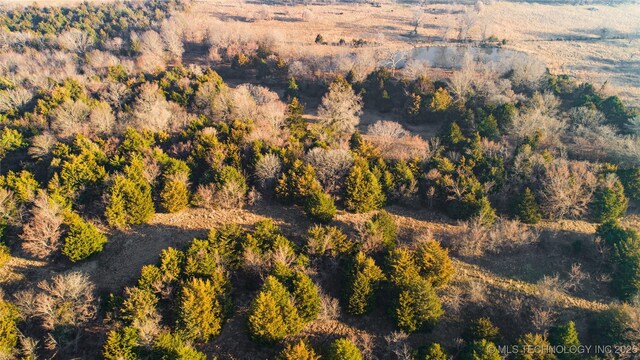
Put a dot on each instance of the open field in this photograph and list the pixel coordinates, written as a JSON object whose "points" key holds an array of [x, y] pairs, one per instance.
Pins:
{"points": [[596, 43]]}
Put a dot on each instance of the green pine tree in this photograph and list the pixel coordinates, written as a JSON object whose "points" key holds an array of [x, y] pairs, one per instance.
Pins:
{"points": [[609, 201], [534, 347], [412, 107], [83, 238], [435, 352], [305, 294], [528, 210], [481, 350], [121, 344], [434, 262], [363, 191], [272, 315], [481, 328], [292, 89], [297, 184], [295, 121], [320, 207], [383, 225], [175, 194], [418, 306], [488, 127], [344, 349], [298, 351], [174, 347], [565, 335], [9, 316], [200, 315], [363, 283]]}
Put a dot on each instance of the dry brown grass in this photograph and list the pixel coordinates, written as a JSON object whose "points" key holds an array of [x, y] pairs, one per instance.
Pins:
{"points": [[568, 38]]}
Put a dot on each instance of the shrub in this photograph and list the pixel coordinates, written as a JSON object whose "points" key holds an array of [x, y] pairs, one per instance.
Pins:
{"points": [[121, 344], [362, 284], [200, 314], [65, 301], [480, 329], [272, 315], [382, 226], [340, 109], [344, 349], [9, 332], [298, 351], [331, 166], [609, 202], [362, 189], [320, 207], [327, 240], [83, 238], [617, 325], [267, 170], [172, 346]]}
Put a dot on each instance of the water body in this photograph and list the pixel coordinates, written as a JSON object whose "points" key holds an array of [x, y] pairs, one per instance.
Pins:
{"points": [[450, 57]]}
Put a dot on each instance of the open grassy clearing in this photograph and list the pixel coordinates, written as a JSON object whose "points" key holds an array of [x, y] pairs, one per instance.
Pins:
{"points": [[581, 40]]}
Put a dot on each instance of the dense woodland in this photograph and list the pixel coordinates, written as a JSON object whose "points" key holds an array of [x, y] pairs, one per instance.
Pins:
{"points": [[104, 124]]}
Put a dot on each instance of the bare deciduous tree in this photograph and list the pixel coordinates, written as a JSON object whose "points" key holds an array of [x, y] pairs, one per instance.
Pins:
{"points": [[41, 235], [76, 40], [65, 300], [102, 120], [14, 99], [171, 33], [267, 170], [70, 118], [331, 166], [340, 109], [567, 188], [151, 110]]}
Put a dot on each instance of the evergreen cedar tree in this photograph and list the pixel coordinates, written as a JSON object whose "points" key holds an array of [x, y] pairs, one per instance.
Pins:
{"points": [[196, 278], [565, 335], [363, 192], [363, 283], [481, 328], [298, 351], [344, 349], [9, 333], [272, 315], [609, 202], [624, 245], [527, 209], [435, 352], [83, 238]]}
